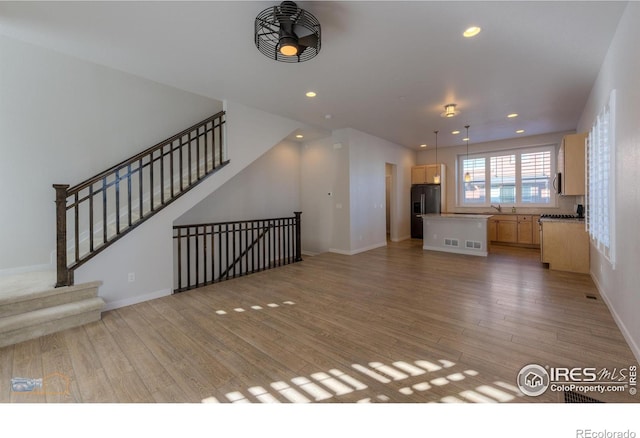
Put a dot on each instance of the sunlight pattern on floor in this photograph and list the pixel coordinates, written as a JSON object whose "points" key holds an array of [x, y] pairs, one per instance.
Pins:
{"points": [[418, 375], [254, 307]]}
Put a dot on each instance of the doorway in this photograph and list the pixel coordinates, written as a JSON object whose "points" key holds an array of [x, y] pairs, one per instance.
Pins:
{"points": [[389, 198]]}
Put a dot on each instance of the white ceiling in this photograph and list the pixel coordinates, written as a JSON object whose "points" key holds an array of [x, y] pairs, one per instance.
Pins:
{"points": [[385, 67]]}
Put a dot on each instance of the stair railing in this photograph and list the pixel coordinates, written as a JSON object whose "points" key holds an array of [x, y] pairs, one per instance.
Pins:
{"points": [[208, 253], [94, 214]]}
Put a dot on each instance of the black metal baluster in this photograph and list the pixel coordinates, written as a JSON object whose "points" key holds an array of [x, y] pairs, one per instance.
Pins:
{"points": [[197, 238], [162, 175], [179, 257], [180, 149], [129, 193], [190, 163], [151, 166], [221, 159], [219, 251], [172, 151], [76, 231], [116, 183], [213, 255], [91, 218], [189, 284], [140, 189], [234, 250], [104, 210]]}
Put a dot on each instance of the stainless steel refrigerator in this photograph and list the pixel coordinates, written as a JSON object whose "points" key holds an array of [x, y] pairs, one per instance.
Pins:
{"points": [[425, 199]]}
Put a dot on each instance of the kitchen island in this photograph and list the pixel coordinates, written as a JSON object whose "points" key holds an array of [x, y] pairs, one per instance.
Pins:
{"points": [[457, 233]]}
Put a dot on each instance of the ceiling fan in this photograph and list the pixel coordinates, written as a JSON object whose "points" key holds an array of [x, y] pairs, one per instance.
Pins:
{"points": [[287, 33]]}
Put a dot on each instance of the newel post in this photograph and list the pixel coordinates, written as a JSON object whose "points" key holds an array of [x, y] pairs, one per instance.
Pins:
{"points": [[298, 237], [62, 272]]}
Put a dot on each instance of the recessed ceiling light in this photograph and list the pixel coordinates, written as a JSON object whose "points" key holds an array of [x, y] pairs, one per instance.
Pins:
{"points": [[512, 115], [299, 136], [471, 31], [455, 132], [519, 131], [423, 145], [465, 139], [328, 116], [311, 94]]}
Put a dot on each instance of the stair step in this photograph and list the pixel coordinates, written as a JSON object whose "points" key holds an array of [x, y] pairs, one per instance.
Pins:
{"points": [[16, 301], [36, 323]]}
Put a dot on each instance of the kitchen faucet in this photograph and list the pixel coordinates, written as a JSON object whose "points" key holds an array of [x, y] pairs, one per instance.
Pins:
{"points": [[497, 208]]}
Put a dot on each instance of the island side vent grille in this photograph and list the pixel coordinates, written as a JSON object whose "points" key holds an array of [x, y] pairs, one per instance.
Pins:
{"points": [[472, 244], [451, 242]]}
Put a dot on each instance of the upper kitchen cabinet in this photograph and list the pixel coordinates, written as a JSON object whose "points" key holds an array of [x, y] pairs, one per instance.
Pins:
{"points": [[425, 174], [571, 165]]}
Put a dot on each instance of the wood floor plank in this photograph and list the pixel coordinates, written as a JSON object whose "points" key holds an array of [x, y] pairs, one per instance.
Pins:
{"points": [[92, 381], [6, 373]]}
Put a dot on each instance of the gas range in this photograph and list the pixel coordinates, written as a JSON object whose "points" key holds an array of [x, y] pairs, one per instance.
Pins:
{"points": [[559, 216]]}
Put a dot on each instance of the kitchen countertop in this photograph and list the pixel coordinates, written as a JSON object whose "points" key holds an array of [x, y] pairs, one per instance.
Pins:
{"points": [[456, 216]]}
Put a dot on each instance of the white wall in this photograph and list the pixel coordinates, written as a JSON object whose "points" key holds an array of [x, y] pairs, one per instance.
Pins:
{"points": [[620, 71], [267, 188], [343, 192], [63, 120], [368, 156], [448, 155], [318, 199]]}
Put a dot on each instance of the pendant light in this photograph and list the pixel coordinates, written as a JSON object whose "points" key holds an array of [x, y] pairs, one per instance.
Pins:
{"points": [[436, 177], [467, 175]]}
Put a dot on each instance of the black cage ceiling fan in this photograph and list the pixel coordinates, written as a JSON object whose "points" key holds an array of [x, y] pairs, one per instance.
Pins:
{"points": [[287, 33]]}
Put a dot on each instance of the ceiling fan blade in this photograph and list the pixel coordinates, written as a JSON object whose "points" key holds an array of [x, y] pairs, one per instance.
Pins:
{"points": [[309, 41]]}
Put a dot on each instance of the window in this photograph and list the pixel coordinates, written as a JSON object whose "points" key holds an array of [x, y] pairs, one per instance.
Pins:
{"points": [[516, 177], [600, 193]]}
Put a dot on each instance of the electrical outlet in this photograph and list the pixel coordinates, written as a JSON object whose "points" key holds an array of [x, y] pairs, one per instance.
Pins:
{"points": [[131, 277]]}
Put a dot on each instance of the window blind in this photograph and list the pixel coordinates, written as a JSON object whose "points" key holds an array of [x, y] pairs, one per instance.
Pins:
{"points": [[520, 177]]}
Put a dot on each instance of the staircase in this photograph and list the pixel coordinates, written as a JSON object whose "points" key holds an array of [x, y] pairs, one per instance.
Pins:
{"points": [[31, 307], [96, 213], [99, 211]]}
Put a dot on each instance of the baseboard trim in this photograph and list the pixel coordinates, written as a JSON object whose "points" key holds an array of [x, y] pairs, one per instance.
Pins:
{"points": [[623, 329], [400, 239], [111, 305], [359, 250], [310, 253]]}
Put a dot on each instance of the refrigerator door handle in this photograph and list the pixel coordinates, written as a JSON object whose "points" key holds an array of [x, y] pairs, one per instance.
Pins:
{"points": [[422, 203]]}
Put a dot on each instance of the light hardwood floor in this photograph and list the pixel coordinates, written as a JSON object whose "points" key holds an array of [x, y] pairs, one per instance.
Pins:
{"points": [[395, 324]]}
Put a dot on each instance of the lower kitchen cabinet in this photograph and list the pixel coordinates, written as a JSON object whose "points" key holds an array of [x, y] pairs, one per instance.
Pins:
{"points": [[525, 229], [507, 231], [565, 246], [513, 229], [535, 236]]}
